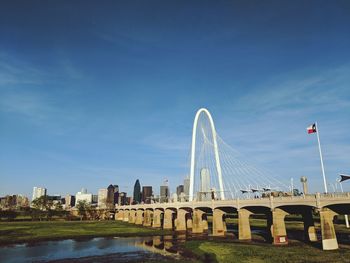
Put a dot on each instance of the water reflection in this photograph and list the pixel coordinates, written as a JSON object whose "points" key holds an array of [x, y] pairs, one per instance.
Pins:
{"points": [[96, 247]]}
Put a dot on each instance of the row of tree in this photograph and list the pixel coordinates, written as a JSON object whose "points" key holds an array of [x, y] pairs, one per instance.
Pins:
{"points": [[45, 209]]}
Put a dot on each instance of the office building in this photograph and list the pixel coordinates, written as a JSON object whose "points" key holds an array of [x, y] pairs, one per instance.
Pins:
{"points": [[164, 193], [38, 192], [83, 195], [187, 188], [102, 198], [146, 194], [69, 201], [137, 192], [205, 194], [122, 199], [179, 189]]}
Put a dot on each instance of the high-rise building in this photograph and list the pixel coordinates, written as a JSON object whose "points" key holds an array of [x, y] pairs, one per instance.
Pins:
{"points": [[205, 180], [116, 194], [69, 201], [164, 193], [122, 199], [137, 192], [102, 198], [111, 190], [146, 194], [38, 192], [179, 189], [205, 185], [187, 188], [83, 196], [94, 199]]}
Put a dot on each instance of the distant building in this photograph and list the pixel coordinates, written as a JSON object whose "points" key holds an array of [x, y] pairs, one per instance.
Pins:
{"points": [[137, 192], [112, 195], [179, 189], [164, 193], [122, 199], [102, 198], [38, 192], [13, 201], [116, 194], [205, 193], [94, 199], [187, 188], [146, 194], [83, 196], [69, 201]]}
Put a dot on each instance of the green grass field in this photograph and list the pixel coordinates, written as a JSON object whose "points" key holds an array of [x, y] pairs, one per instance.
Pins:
{"points": [[224, 251], [18, 232]]}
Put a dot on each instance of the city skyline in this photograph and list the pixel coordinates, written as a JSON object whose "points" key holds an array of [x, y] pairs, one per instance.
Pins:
{"points": [[88, 99]]}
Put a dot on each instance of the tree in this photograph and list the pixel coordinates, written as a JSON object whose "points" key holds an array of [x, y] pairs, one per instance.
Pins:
{"points": [[42, 203], [82, 207]]}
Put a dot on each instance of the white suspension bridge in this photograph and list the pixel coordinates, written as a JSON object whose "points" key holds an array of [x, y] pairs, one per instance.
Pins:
{"points": [[217, 168]]}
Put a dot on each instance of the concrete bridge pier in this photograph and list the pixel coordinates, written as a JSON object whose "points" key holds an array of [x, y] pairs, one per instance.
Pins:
{"points": [[219, 223], [148, 216], [126, 216], [244, 232], [329, 239], [139, 217], [119, 215], [157, 218], [278, 227], [181, 220], [132, 216], [309, 226], [198, 223], [168, 219]]}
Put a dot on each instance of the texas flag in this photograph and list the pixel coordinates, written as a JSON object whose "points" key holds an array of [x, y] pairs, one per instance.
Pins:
{"points": [[311, 128]]}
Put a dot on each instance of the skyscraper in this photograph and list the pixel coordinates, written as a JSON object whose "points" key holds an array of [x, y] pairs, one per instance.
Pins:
{"points": [[137, 192], [179, 189], [38, 192], [205, 180], [187, 188], [146, 194], [102, 198], [164, 193], [110, 196], [205, 185]]}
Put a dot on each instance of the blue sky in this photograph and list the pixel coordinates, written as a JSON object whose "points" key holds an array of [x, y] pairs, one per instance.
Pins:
{"points": [[93, 93]]}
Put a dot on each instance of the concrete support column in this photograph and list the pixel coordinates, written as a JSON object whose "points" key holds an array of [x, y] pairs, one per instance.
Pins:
{"points": [[139, 217], [126, 216], [180, 222], [279, 232], [189, 224], [157, 218], [244, 232], [219, 224], [132, 216], [197, 223], [168, 219], [329, 239], [309, 226], [205, 223], [148, 216], [119, 215]]}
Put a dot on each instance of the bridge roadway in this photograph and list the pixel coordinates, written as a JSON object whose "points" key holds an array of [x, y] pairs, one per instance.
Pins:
{"points": [[192, 216]]}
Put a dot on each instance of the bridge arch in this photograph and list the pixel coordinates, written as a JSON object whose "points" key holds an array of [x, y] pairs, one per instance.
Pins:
{"points": [[216, 153]]}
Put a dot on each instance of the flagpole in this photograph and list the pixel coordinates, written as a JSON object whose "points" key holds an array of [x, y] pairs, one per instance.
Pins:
{"points": [[319, 148]]}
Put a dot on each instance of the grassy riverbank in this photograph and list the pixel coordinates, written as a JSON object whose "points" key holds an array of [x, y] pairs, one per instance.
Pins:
{"points": [[19, 232], [228, 251]]}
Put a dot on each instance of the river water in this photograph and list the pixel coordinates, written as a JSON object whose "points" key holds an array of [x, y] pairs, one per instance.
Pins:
{"points": [[118, 249]]}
